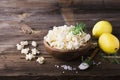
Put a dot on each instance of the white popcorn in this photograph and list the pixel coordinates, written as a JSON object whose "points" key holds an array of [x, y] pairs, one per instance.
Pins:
{"points": [[34, 43], [19, 47], [32, 54], [87, 37], [40, 60], [35, 51], [69, 37], [24, 43], [29, 56], [25, 51], [76, 44], [60, 45], [74, 39], [69, 46], [53, 44], [60, 37], [55, 28]]}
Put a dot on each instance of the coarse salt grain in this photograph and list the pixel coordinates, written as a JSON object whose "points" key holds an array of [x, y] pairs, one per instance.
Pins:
{"points": [[67, 67], [57, 66], [74, 68], [76, 72]]}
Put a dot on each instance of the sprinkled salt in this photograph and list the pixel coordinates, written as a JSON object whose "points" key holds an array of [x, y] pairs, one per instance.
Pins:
{"points": [[63, 72], [76, 72], [74, 68], [69, 68], [57, 66], [65, 67]]}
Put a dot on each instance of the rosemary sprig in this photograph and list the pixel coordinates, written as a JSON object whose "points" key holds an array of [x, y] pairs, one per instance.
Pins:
{"points": [[114, 58], [79, 28], [89, 61]]}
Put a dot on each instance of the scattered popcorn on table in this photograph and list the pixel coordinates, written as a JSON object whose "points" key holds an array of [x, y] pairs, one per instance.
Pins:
{"points": [[40, 60], [30, 53], [19, 47], [25, 51], [34, 44], [24, 43], [30, 56], [35, 51]]}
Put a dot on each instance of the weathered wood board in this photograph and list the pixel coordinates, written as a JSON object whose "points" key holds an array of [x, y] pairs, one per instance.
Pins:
{"points": [[42, 15]]}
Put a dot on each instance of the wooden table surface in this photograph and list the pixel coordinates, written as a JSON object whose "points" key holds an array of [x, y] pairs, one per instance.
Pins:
{"points": [[41, 16]]}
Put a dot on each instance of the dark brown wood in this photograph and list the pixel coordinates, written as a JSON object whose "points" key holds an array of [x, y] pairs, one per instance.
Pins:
{"points": [[39, 16]]}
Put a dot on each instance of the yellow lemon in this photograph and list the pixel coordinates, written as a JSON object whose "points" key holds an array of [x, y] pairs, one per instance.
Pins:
{"points": [[101, 27], [108, 43]]}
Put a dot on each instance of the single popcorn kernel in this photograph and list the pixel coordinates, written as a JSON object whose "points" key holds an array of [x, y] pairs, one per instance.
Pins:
{"points": [[25, 51], [34, 44], [24, 43], [40, 60], [29, 56], [19, 47], [35, 51]]}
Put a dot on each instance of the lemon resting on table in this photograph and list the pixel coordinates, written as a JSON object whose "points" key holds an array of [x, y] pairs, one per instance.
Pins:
{"points": [[101, 27], [108, 43]]}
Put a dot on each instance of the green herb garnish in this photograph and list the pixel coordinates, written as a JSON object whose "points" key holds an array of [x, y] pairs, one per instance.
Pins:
{"points": [[79, 28], [114, 58], [89, 61]]}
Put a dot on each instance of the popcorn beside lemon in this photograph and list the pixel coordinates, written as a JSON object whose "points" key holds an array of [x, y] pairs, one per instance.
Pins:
{"points": [[108, 42]]}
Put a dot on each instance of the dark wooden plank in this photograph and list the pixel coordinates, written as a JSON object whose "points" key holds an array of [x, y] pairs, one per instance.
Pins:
{"points": [[42, 15], [21, 6]]}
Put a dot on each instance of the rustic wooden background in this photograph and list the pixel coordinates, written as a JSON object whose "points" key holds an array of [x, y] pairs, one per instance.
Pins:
{"points": [[31, 19]]}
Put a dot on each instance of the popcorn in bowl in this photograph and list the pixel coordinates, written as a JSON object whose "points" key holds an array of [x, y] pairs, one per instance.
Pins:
{"points": [[67, 37]]}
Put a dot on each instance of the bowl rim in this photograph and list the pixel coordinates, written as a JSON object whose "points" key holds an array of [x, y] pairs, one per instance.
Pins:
{"points": [[88, 43]]}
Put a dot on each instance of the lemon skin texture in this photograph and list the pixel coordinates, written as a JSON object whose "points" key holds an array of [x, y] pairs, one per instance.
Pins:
{"points": [[101, 27], [109, 43]]}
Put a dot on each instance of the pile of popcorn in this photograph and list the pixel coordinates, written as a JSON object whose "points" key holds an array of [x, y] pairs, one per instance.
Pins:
{"points": [[61, 38], [30, 54]]}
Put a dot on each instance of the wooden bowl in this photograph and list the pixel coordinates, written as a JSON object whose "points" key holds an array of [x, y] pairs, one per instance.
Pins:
{"points": [[67, 54]]}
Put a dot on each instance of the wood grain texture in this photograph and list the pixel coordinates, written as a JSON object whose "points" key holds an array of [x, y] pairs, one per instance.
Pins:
{"points": [[41, 16]]}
